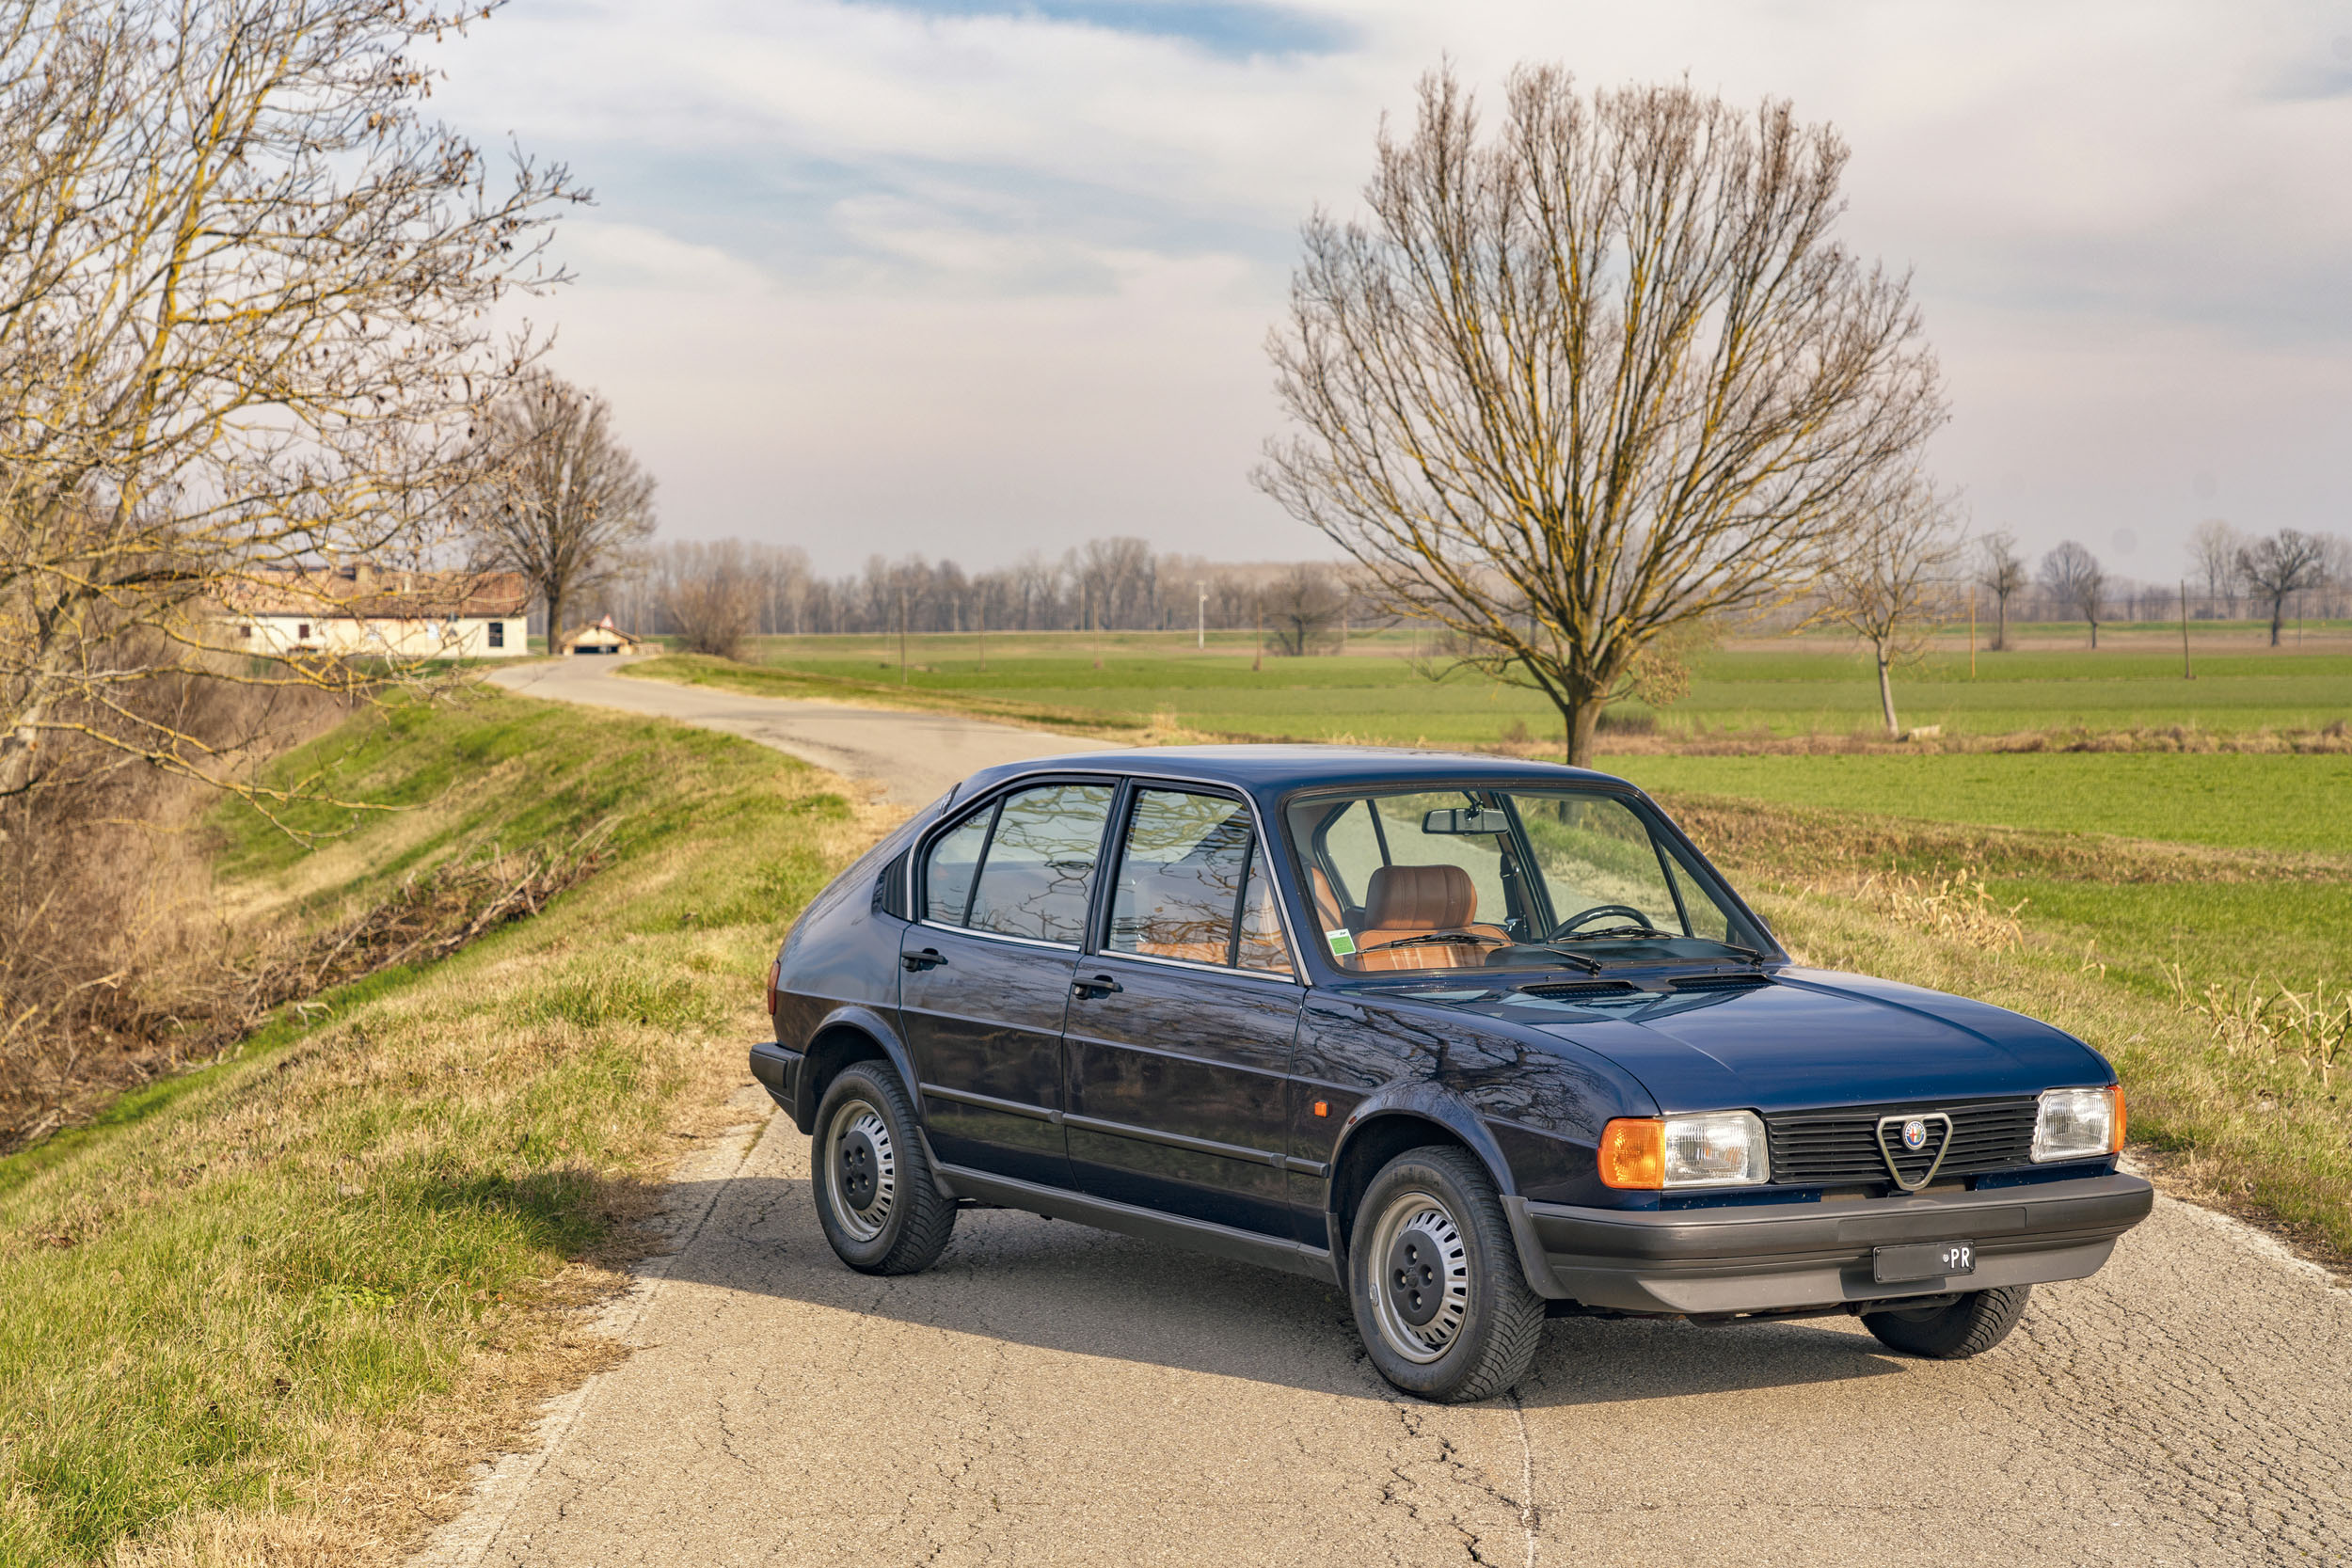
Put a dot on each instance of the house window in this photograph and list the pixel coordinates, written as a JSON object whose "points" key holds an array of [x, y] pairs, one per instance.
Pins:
{"points": [[497, 634], [302, 631], [245, 632]]}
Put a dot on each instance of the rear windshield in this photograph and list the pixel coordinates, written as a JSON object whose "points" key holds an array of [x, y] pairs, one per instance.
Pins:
{"points": [[1480, 879]]}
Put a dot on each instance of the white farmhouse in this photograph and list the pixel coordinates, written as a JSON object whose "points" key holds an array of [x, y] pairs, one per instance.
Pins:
{"points": [[361, 612]]}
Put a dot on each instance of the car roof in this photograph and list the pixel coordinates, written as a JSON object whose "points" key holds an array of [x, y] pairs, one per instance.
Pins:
{"points": [[1279, 769]]}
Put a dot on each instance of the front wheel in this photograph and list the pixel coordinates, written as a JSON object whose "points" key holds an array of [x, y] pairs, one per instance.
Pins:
{"points": [[875, 1197], [1969, 1326], [1443, 1309]]}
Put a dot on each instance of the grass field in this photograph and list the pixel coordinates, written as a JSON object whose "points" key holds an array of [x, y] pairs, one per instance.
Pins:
{"points": [[1379, 692], [269, 1310]]}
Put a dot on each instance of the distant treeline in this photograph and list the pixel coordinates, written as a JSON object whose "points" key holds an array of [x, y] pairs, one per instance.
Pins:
{"points": [[1104, 584]]}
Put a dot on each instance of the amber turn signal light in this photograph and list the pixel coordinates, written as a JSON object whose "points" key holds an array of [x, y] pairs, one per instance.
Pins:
{"points": [[775, 980], [2118, 1145], [1323, 1107], [1633, 1153]]}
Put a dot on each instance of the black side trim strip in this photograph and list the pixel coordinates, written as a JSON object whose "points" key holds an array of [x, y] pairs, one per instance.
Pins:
{"points": [[990, 1103], [1317, 1168], [1241, 1246], [1172, 1140]]}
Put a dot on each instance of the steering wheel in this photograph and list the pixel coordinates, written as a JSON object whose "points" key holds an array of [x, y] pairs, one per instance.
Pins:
{"points": [[1568, 926]]}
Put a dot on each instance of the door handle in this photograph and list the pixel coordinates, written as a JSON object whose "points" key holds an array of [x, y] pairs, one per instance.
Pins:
{"points": [[1102, 985], [931, 957]]}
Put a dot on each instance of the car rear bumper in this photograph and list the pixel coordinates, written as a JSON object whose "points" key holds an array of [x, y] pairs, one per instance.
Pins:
{"points": [[1772, 1257], [778, 1070]]}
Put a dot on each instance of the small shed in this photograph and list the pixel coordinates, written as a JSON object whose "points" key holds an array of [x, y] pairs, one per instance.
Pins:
{"points": [[601, 637]]}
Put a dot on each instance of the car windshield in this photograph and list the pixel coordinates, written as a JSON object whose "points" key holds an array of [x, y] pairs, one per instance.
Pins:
{"points": [[1481, 879]]}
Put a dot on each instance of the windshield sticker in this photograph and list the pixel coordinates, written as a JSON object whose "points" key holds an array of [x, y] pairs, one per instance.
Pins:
{"points": [[1343, 941]]}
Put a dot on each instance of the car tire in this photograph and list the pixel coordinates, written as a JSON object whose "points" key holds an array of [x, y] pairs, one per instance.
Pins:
{"points": [[876, 1198], [1969, 1326], [1440, 1300]]}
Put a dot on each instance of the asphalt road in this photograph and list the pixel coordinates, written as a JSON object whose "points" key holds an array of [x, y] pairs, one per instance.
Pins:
{"points": [[911, 756], [1052, 1394]]}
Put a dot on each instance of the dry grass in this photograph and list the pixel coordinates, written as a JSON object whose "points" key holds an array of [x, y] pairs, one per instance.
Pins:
{"points": [[271, 1311]]}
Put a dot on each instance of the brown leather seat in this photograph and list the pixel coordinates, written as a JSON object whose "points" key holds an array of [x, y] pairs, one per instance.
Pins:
{"points": [[1406, 901]]}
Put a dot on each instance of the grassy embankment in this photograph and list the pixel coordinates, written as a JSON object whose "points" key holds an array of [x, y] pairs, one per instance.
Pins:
{"points": [[2143, 874], [270, 1309]]}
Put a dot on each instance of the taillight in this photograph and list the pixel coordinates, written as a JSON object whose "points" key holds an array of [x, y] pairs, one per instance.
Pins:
{"points": [[775, 980]]}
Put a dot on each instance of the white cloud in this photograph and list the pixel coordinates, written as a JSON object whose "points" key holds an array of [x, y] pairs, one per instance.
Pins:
{"points": [[870, 279]]}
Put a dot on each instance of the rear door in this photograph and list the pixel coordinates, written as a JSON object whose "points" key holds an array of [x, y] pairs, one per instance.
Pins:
{"points": [[1003, 896], [1179, 1035]]}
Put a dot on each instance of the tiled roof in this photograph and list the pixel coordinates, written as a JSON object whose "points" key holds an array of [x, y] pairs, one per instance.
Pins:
{"points": [[364, 593]]}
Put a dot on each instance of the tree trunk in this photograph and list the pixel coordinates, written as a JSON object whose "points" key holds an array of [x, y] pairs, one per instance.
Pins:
{"points": [[2095, 633], [1581, 717], [1886, 692], [2000, 630], [2277, 614], [555, 621]]}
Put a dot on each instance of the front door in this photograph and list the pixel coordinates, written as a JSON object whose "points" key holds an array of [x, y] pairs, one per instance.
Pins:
{"points": [[1179, 1033], [987, 975]]}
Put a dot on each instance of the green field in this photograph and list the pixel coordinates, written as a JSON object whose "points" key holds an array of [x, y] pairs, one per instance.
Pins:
{"points": [[1379, 691], [2231, 799]]}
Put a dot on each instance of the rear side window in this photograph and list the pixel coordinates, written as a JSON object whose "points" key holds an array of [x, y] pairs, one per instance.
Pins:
{"points": [[955, 858], [1039, 866]]}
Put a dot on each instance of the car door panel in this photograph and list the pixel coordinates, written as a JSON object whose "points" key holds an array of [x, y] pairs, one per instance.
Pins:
{"points": [[1177, 1097], [985, 1030]]}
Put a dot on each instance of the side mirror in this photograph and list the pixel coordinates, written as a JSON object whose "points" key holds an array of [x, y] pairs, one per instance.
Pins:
{"points": [[1467, 819]]}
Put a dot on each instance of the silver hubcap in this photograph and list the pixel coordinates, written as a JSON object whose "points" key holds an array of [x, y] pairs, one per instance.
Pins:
{"points": [[860, 1170], [1421, 1277]]}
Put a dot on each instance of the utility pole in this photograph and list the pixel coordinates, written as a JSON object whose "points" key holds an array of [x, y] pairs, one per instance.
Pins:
{"points": [[1257, 659], [980, 611], [902, 634], [1201, 627], [2186, 674], [1972, 631]]}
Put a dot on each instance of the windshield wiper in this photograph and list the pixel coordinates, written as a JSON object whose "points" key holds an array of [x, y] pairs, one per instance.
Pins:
{"points": [[1455, 939], [1590, 966]]}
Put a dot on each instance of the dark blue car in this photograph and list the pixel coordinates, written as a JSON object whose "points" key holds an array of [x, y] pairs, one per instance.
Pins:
{"points": [[1480, 1041]]}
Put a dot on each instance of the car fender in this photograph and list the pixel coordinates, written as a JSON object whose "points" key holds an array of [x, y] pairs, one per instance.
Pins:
{"points": [[1423, 1101], [862, 1019]]}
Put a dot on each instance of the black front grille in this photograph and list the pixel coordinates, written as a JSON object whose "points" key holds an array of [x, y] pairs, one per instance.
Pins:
{"points": [[1841, 1149]]}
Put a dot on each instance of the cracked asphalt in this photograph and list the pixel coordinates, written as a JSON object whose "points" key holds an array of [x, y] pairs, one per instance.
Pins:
{"points": [[1053, 1394]]}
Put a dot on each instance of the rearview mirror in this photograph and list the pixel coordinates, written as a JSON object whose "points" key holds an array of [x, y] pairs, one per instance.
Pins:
{"points": [[1467, 819]]}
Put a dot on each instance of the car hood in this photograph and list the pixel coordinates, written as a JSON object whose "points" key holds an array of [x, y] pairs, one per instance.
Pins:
{"points": [[1814, 1038]]}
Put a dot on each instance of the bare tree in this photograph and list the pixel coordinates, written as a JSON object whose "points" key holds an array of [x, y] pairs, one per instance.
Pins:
{"points": [[244, 290], [559, 498], [711, 594], [2285, 564], [2000, 571], [2074, 580], [1304, 608], [1603, 374], [2213, 549], [1889, 578]]}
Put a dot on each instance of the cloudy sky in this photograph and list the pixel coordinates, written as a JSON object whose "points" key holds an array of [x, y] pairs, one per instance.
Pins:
{"points": [[977, 276]]}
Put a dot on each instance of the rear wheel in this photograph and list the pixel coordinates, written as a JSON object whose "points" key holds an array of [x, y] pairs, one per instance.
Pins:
{"points": [[1969, 1326], [875, 1197], [1443, 1309]]}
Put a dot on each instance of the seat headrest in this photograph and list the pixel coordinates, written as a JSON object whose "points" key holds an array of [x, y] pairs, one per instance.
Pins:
{"points": [[1419, 899]]}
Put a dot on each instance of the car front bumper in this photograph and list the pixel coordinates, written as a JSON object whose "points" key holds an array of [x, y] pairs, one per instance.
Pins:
{"points": [[1772, 1257]]}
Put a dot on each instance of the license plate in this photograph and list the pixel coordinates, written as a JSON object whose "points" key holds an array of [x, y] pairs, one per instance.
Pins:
{"points": [[1891, 1265]]}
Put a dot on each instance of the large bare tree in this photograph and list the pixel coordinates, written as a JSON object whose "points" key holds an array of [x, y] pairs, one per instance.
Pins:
{"points": [[1890, 578], [2001, 572], [2274, 568], [245, 288], [558, 498], [1603, 374], [2074, 580]]}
